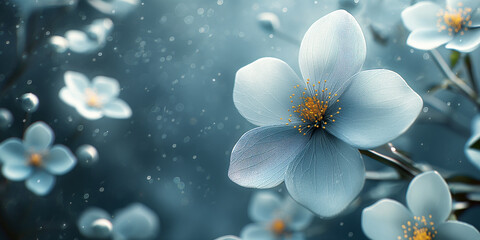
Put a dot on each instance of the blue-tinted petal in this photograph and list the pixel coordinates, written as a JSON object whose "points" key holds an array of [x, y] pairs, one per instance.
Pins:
{"points": [[12, 151], [261, 156], [377, 107], [16, 172], [422, 15], [428, 194], [69, 98], [263, 89], [467, 42], [333, 49], [326, 176], [38, 137], [135, 222], [295, 236], [117, 109], [476, 19], [85, 222], [264, 206], [428, 39], [228, 237], [473, 154], [88, 112], [384, 219], [40, 182], [296, 216], [59, 160], [76, 82], [457, 230], [256, 232], [80, 42], [106, 87]]}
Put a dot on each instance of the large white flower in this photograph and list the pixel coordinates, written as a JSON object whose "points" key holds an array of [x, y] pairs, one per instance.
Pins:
{"points": [[96, 99], [310, 129]]}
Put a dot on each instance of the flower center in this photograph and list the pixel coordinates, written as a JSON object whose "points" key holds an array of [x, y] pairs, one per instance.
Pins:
{"points": [[278, 227], [313, 106], [454, 20], [92, 98], [35, 159], [421, 229]]}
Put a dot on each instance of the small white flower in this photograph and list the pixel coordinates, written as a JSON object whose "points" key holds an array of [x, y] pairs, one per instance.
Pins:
{"points": [[95, 99]]}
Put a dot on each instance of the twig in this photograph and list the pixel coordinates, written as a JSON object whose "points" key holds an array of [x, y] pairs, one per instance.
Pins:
{"points": [[406, 170]]}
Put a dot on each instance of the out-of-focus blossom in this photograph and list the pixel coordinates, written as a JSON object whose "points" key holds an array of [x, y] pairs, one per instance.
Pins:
{"points": [[135, 222], [6, 118], [91, 39], [228, 237], [95, 99], [310, 129], [268, 21], [458, 25], [429, 205], [275, 218], [472, 147], [114, 7], [34, 159]]}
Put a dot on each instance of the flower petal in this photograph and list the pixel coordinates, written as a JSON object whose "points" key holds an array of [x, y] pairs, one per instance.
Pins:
{"points": [[422, 15], [135, 222], [256, 232], [228, 237], [38, 137], [455, 4], [86, 220], [384, 220], [106, 87], [326, 176], [80, 42], [476, 19], [117, 109], [40, 183], [376, 108], [12, 152], [428, 194], [263, 89], [297, 216], [263, 206], [89, 113], [333, 49], [457, 230], [473, 153], [68, 97], [467, 42], [76, 82], [59, 160], [16, 172], [428, 39], [262, 155]]}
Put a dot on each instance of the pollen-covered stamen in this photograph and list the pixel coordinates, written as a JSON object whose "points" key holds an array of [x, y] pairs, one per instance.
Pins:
{"points": [[454, 20], [278, 227], [35, 159], [422, 228], [312, 108], [93, 100]]}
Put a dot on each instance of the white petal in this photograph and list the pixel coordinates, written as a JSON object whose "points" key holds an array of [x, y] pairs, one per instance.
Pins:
{"points": [[376, 108], [333, 49], [16, 172], [467, 42], [428, 39], [69, 97], [428, 195], [262, 92], [457, 230], [326, 176], [38, 137], [117, 109], [40, 183], [384, 219], [106, 87], [79, 42], [422, 15], [89, 113], [59, 160], [262, 155], [76, 82]]}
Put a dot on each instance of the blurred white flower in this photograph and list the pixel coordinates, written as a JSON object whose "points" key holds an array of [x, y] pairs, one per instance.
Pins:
{"points": [[114, 7], [95, 99]]}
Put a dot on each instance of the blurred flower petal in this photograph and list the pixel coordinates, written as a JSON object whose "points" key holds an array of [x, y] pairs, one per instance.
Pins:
{"points": [[40, 183], [60, 160], [117, 109], [38, 137], [263, 206], [427, 39]]}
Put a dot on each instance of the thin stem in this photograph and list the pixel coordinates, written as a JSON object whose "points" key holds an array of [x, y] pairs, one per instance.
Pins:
{"points": [[406, 170], [459, 83]]}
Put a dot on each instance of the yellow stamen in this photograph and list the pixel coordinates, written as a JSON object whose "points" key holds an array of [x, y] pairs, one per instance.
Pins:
{"points": [[92, 98], [278, 227], [421, 228], [35, 160]]}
